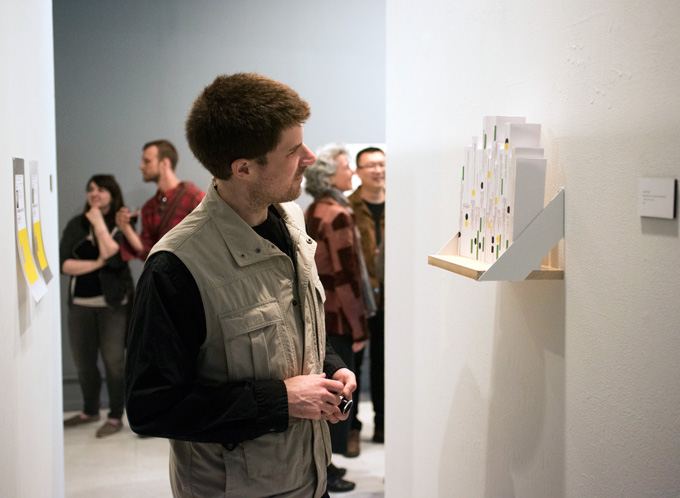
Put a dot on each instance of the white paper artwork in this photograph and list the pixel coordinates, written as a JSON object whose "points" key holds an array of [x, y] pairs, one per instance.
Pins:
{"points": [[502, 186], [32, 274]]}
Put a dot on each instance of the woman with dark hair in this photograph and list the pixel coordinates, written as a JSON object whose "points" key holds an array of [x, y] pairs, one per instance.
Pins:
{"points": [[100, 297]]}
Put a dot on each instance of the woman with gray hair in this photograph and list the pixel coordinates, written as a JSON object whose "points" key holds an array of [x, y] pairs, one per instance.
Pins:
{"points": [[339, 261]]}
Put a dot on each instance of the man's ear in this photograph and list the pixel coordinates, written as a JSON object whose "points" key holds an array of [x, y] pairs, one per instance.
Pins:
{"points": [[165, 163], [241, 169]]}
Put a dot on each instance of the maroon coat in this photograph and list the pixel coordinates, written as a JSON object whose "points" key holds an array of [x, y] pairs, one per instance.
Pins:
{"points": [[337, 262]]}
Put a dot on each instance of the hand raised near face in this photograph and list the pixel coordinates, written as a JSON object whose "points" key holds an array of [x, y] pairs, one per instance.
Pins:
{"points": [[94, 216]]}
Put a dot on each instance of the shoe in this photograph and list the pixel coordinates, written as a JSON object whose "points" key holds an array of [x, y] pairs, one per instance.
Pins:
{"points": [[109, 428], [353, 445], [336, 471], [78, 420], [379, 436], [338, 484]]}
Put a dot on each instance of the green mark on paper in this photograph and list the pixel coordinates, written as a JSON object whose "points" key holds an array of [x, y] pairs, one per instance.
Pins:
{"points": [[506, 244], [485, 140], [472, 246], [501, 186], [480, 224], [483, 243], [463, 172], [494, 133]]}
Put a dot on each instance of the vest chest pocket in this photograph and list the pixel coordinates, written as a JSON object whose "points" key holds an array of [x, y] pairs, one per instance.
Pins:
{"points": [[252, 341]]}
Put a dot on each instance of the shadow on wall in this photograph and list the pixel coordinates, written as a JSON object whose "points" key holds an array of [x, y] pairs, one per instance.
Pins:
{"points": [[522, 423], [526, 442]]}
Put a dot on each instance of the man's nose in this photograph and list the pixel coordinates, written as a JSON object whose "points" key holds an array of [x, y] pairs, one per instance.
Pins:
{"points": [[311, 158]]}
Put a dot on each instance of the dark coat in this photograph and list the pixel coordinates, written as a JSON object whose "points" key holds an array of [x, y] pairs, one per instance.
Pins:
{"points": [[366, 226]]}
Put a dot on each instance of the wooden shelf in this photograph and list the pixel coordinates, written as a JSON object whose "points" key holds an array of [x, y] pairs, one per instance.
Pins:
{"points": [[522, 260], [475, 269]]}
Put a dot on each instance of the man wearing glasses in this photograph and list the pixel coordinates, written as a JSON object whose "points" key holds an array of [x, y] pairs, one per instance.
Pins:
{"points": [[368, 203]]}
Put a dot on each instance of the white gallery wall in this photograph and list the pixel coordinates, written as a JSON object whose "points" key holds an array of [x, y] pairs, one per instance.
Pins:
{"points": [[534, 389], [31, 442]]}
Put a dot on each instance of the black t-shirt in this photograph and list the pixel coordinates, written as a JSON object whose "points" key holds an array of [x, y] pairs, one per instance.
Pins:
{"points": [[274, 230], [376, 212], [88, 284]]}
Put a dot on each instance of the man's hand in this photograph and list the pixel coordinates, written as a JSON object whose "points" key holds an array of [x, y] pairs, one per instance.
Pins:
{"points": [[358, 346], [313, 396], [123, 216], [349, 383]]}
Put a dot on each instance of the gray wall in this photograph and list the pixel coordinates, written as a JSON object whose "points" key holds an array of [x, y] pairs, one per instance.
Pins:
{"points": [[127, 72]]}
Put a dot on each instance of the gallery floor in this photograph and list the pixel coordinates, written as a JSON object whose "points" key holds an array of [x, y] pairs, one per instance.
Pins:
{"points": [[127, 465]]}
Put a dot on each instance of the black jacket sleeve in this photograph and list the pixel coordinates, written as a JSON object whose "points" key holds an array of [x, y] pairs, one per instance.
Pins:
{"points": [[333, 362], [163, 393]]}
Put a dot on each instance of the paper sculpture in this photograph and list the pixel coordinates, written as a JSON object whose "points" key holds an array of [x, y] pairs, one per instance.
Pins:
{"points": [[502, 187]]}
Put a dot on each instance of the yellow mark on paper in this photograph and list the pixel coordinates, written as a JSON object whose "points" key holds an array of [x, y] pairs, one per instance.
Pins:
{"points": [[496, 200], [473, 192], [29, 265], [42, 259], [488, 174]]}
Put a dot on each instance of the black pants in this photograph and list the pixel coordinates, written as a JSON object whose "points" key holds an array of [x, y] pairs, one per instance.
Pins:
{"points": [[91, 330], [376, 326]]}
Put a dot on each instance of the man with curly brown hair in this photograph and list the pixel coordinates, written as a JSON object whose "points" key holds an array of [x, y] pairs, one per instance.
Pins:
{"points": [[227, 353]]}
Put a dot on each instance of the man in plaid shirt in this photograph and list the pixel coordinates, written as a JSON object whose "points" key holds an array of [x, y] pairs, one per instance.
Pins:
{"points": [[172, 202]]}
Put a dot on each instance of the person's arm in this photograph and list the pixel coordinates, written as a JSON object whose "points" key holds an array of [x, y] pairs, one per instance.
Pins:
{"points": [[131, 238], [77, 267], [332, 361], [106, 244], [74, 233], [164, 395]]}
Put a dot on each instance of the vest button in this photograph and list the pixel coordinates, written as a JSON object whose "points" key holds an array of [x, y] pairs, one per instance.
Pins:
{"points": [[309, 241], [295, 303], [258, 250]]}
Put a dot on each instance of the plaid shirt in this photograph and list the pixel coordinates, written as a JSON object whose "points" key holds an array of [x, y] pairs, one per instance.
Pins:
{"points": [[152, 212], [337, 261]]}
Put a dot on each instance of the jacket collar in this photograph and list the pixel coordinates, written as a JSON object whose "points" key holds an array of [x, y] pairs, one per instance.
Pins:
{"points": [[244, 244]]}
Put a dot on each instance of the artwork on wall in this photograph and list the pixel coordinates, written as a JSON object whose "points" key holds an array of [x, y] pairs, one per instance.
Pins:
{"points": [[32, 273], [502, 186], [38, 246]]}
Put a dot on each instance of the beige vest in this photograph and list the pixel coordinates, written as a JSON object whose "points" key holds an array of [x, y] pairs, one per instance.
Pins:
{"points": [[262, 323]]}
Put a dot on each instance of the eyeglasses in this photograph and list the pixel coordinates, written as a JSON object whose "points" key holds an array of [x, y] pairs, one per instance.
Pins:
{"points": [[375, 165]]}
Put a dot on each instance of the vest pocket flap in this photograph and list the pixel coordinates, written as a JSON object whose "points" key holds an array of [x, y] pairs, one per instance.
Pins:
{"points": [[319, 288], [245, 320]]}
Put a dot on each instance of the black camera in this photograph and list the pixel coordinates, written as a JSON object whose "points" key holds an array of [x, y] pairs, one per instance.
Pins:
{"points": [[345, 404]]}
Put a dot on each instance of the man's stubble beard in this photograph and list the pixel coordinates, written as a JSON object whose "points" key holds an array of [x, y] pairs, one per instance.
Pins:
{"points": [[260, 200]]}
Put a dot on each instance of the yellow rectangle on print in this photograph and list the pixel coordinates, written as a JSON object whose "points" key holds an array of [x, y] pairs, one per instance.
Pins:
{"points": [[29, 265], [42, 259]]}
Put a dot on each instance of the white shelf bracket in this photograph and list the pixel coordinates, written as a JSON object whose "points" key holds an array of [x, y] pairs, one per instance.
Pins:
{"points": [[528, 249]]}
